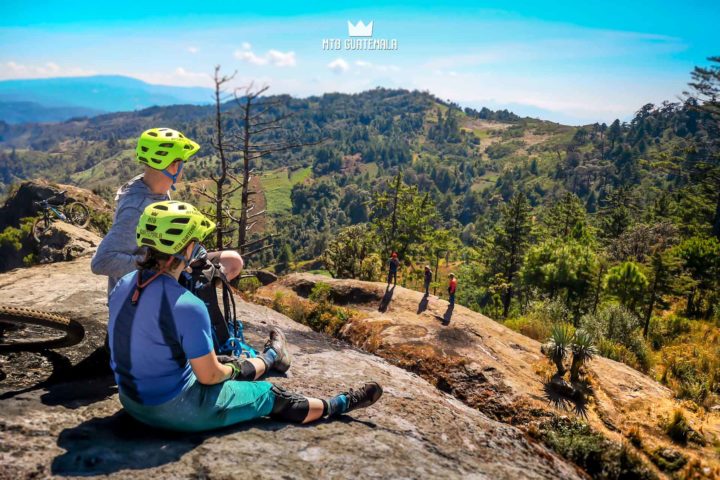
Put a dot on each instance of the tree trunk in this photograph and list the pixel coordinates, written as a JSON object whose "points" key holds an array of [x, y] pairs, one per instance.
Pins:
{"points": [[651, 305], [716, 221]]}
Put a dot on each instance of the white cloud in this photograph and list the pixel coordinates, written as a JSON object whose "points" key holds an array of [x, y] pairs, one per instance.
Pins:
{"points": [[13, 70], [338, 65], [271, 57], [193, 50]]}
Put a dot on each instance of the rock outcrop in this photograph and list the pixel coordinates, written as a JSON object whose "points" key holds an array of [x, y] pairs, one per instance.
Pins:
{"points": [[20, 204], [64, 242], [71, 423], [497, 370]]}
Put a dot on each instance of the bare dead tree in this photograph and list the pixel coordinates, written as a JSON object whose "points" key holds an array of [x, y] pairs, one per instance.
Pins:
{"points": [[225, 179], [257, 120]]}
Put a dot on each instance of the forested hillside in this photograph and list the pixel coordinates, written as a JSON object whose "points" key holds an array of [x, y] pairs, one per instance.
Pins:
{"points": [[610, 228]]}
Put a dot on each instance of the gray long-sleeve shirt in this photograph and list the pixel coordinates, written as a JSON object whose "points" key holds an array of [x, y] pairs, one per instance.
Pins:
{"points": [[115, 256]]}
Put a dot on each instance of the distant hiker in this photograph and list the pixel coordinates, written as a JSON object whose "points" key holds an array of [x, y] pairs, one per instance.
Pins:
{"points": [[394, 263], [163, 152], [452, 287], [161, 343], [428, 279]]}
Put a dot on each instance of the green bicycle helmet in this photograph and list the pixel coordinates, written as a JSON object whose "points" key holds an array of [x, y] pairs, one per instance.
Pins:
{"points": [[159, 147], [170, 225]]}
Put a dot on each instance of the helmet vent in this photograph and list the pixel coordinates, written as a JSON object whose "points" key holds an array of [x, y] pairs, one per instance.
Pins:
{"points": [[152, 134], [182, 207], [187, 147], [143, 159], [160, 207], [167, 145], [182, 220], [162, 153], [150, 228], [181, 135], [148, 241], [168, 134], [144, 149], [168, 243], [174, 231], [156, 160]]}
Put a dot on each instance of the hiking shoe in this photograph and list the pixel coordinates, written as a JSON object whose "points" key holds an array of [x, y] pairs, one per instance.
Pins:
{"points": [[363, 397], [278, 343]]}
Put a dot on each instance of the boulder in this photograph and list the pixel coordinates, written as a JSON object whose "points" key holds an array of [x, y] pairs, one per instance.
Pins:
{"points": [[64, 242], [492, 368], [61, 415]]}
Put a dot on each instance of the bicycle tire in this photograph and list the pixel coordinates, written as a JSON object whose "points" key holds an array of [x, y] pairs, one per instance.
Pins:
{"points": [[74, 331], [78, 214], [40, 227]]}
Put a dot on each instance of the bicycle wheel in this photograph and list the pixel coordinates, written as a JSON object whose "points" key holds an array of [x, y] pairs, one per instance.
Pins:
{"points": [[26, 329], [78, 214], [39, 227]]}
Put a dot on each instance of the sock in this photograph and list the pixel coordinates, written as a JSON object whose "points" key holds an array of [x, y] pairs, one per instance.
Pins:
{"points": [[325, 407], [337, 405], [268, 356]]}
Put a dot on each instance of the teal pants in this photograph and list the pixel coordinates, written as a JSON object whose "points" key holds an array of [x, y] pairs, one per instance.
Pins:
{"points": [[205, 407]]}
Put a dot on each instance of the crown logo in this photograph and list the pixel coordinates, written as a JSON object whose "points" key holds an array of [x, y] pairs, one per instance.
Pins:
{"points": [[360, 30]]}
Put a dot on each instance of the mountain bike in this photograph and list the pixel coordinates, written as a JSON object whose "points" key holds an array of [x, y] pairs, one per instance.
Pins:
{"points": [[54, 208], [26, 329]]}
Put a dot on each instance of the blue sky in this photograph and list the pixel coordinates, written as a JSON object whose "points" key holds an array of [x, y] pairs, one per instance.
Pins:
{"points": [[572, 62]]}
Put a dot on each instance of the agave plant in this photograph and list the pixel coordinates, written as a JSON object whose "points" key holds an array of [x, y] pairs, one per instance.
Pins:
{"points": [[583, 350], [559, 342]]}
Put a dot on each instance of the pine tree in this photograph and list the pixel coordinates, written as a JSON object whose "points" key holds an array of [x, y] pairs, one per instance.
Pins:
{"points": [[511, 240]]}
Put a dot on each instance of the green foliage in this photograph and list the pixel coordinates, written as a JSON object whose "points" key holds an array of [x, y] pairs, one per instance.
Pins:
{"points": [[626, 282], [583, 350], [677, 428], [668, 460], [321, 292], [538, 321], [510, 243], [617, 332], [404, 223], [352, 254], [599, 457], [560, 341], [249, 284], [556, 267], [701, 260]]}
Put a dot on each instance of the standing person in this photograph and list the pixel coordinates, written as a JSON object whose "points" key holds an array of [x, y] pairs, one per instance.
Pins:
{"points": [[161, 344], [428, 279], [452, 287], [163, 152], [394, 263]]}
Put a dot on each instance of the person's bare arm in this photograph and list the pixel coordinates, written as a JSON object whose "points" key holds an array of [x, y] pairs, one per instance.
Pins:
{"points": [[209, 371]]}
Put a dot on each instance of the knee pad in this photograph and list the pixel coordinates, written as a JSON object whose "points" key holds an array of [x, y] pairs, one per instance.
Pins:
{"points": [[247, 371], [288, 406]]}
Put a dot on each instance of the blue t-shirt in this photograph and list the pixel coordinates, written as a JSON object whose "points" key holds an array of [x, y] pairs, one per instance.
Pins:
{"points": [[151, 342]]}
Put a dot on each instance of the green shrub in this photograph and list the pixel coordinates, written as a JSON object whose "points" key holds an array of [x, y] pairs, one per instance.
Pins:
{"points": [[668, 460], [320, 292], [599, 457], [249, 284], [677, 428], [613, 326]]}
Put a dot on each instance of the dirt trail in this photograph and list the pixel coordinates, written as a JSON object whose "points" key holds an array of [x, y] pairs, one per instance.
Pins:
{"points": [[498, 370]]}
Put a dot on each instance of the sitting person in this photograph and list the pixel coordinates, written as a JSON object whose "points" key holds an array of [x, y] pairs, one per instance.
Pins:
{"points": [[162, 152], [161, 343]]}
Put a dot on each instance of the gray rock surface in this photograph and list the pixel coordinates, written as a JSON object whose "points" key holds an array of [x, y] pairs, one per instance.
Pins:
{"points": [[71, 424], [63, 242]]}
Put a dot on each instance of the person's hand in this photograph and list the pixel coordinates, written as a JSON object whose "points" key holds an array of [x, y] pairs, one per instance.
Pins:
{"points": [[225, 358]]}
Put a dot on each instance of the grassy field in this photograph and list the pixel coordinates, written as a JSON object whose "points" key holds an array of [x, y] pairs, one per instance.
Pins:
{"points": [[277, 186]]}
